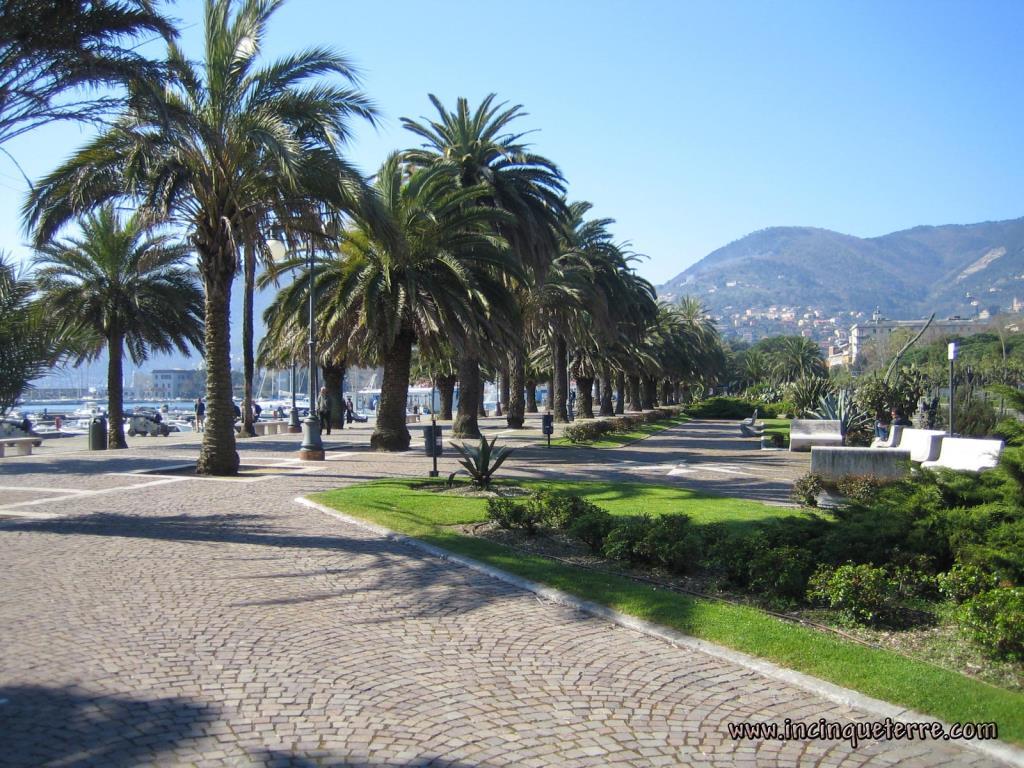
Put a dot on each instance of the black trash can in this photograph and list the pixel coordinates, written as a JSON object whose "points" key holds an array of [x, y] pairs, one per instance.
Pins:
{"points": [[432, 444], [547, 422], [98, 434]]}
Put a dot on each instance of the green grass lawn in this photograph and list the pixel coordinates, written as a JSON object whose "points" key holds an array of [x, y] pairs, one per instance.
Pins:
{"points": [[619, 439], [398, 505], [777, 427]]}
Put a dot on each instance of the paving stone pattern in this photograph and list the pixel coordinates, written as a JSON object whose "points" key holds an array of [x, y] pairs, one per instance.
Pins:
{"points": [[218, 623]]}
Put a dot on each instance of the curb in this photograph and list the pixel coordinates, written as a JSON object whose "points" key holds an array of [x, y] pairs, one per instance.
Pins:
{"points": [[844, 696]]}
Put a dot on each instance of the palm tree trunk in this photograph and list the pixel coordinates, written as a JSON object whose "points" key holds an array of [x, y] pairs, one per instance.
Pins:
{"points": [[666, 392], [585, 390], [446, 389], [391, 433], [334, 376], [650, 385], [115, 390], [620, 393], [217, 455], [248, 358], [483, 409], [606, 393], [465, 424], [560, 379], [633, 402], [531, 396], [516, 413], [503, 392]]}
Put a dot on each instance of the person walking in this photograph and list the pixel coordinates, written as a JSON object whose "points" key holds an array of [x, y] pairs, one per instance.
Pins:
{"points": [[200, 414], [323, 410], [349, 410]]}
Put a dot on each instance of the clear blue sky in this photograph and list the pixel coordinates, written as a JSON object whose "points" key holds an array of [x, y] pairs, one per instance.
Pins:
{"points": [[692, 123]]}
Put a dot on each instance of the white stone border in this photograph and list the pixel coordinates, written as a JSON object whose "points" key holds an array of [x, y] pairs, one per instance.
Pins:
{"points": [[845, 696]]}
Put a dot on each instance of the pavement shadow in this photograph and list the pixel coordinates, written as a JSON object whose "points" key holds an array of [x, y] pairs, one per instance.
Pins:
{"points": [[348, 564], [278, 759], [69, 726]]}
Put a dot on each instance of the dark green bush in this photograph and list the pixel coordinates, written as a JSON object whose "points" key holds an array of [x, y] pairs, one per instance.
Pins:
{"points": [[861, 488], [995, 620], [587, 431], [592, 527], [725, 408], [629, 539], [560, 510], [781, 571], [674, 543], [511, 515], [861, 594], [963, 582], [806, 489]]}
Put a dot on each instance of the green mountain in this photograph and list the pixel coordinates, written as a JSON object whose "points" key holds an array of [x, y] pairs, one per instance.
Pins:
{"points": [[951, 270]]}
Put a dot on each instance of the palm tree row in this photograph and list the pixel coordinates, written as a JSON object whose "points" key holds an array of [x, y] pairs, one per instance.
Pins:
{"points": [[463, 252]]}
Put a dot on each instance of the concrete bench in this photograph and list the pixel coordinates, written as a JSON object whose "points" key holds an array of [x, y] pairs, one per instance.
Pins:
{"points": [[834, 462], [270, 427], [806, 433], [891, 441], [412, 418], [966, 454], [923, 444], [21, 445]]}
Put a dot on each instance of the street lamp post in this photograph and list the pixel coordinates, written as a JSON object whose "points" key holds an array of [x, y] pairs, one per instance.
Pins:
{"points": [[293, 419], [951, 354], [312, 448]]}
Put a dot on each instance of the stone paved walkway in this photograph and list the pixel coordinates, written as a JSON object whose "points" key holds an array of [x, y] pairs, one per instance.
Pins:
{"points": [[161, 619]]}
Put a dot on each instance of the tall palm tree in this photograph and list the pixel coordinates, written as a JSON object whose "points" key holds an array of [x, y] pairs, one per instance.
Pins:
{"points": [[124, 285], [228, 146], [798, 357], [427, 289], [477, 147], [59, 57], [31, 339]]}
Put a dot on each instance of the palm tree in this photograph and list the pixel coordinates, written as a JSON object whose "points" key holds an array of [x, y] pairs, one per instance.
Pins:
{"points": [[477, 148], [228, 146], [56, 57], [437, 281], [796, 358], [31, 341], [124, 285]]}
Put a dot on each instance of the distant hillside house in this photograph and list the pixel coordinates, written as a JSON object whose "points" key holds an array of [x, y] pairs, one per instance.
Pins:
{"points": [[879, 329]]}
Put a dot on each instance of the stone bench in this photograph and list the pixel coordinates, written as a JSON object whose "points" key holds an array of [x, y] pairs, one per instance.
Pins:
{"points": [[806, 433], [262, 428], [412, 418], [21, 445], [835, 462], [923, 444], [891, 441], [966, 454]]}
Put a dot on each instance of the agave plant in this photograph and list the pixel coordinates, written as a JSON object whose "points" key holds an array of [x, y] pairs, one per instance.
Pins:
{"points": [[807, 392], [482, 461], [840, 406]]}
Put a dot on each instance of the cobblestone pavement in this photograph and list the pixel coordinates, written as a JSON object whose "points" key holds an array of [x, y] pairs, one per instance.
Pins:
{"points": [[174, 620]]}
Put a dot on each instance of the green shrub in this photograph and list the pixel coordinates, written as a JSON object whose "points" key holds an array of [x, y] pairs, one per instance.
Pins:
{"points": [[860, 488], [724, 408], [483, 460], [629, 539], [673, 542], [995, 620], [962, 582], [514, 516], [728, 553], [861, 594], [784, 409], [781, 571], [806, 489], [587, 431], [560, 511], [592, 527]]}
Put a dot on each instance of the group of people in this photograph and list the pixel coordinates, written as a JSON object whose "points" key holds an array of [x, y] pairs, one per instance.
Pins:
{"points": [[323, 410]]}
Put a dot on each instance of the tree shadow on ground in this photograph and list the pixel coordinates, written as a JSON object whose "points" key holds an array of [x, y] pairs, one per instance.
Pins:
{"points": [[70, 726], [350, 564]]}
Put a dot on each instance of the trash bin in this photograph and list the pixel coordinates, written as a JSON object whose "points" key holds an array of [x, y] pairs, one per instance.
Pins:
{"points": [[98, 434], [432, 444], [547, 424]]}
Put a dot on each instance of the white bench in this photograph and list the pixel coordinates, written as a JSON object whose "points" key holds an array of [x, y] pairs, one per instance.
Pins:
{"points": [[22, 445], [923, 444], [805, 433], [966, 454], [891, 441], [835, 462], [750, 428], [412, 418]]}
